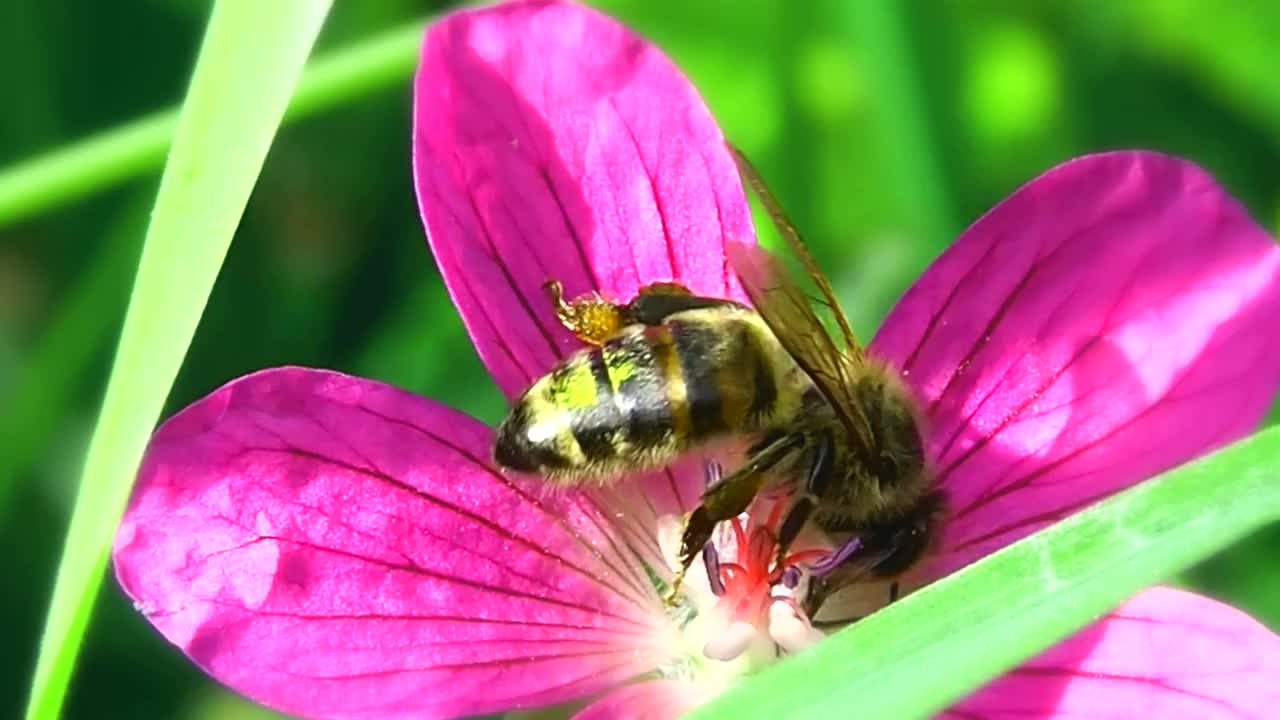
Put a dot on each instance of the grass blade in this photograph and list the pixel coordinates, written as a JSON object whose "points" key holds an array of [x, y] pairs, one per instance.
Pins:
{"points": [[1022, 599], [67, 173], [250, 61]]}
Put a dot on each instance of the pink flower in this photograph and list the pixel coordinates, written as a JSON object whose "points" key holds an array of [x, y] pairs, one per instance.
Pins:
{"points": [[335, 547]]}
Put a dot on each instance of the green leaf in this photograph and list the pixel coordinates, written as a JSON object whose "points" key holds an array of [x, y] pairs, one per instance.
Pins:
{"points": [[77, 169], [250, 61], [966, 629]]}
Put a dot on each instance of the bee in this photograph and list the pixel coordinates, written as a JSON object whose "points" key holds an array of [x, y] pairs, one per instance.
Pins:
{"points": [[672, 371]]}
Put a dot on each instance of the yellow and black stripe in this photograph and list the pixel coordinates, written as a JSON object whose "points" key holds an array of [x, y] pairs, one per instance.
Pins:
{"points": [[644, 397]]}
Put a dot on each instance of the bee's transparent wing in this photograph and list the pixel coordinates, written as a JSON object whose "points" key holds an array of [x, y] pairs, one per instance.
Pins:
{"points": [[787, 311], [797, 248]]}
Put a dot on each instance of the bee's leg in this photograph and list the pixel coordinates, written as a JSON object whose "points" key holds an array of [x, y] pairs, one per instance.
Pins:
{"points": [[728, 499], [840, 623], [816, 483], [697, 532], [792, 524], [591, 318], [852, 562]]}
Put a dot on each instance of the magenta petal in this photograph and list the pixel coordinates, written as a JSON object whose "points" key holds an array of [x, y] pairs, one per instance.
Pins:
{"points": [[1165, 654], [1111, 319], [552, 143], [338, 548], [651, 700]]}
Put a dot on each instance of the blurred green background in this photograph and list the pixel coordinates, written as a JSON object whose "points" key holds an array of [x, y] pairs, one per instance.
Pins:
{"points": [[885, 127]]}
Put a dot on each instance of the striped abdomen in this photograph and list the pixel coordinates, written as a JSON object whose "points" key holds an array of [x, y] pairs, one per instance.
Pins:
{"points": [[648, 395]]}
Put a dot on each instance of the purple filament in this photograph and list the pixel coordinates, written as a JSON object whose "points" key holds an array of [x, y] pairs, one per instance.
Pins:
{"points": [[824, 566], [711, 560]]}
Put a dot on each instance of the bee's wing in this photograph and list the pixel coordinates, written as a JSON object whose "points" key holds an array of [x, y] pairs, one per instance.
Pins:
{"points": [[787, 311], [792, 237]]}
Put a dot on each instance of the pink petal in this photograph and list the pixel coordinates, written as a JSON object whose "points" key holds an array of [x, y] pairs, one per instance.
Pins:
{"points": [[552, 143], [1165, 654], [1111, 319], [335, 547], [651, 700]]}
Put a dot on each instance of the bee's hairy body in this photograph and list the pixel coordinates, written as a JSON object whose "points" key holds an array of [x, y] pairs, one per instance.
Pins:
{"points": [[865, 485], [670, 371], [650, 393]]}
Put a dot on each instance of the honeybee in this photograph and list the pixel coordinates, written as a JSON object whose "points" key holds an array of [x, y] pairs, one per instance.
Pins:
{"points": [[672, 371]]}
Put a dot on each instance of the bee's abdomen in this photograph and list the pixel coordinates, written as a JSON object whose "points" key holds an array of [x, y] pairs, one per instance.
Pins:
{"points": [[687, 381], [640, 400], [730, 375], [603, 411]]}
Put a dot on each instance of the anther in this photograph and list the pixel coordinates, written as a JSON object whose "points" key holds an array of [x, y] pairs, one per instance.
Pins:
{"points": [[711, 561]]}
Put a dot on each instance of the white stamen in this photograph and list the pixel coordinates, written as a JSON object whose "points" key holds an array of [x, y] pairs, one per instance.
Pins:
{"points": [[732, 643], [789, 630]]}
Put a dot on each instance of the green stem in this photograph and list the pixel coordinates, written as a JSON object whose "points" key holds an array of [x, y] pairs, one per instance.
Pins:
{"points": [[82, 167], [249, 65]]}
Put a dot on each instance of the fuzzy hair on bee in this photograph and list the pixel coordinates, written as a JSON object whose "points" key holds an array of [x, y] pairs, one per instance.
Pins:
{"points": [[647, 394], [671, 371]]}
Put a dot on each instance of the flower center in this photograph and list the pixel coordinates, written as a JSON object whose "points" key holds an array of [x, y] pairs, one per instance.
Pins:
{"points": [[749, 605], [744, 585]]}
